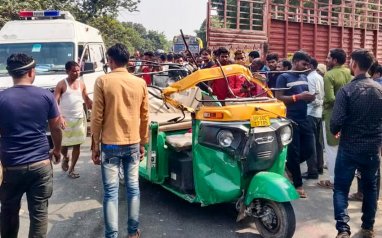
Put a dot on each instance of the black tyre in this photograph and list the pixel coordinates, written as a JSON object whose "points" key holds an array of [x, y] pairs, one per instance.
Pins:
{"points": [[279, 220]]}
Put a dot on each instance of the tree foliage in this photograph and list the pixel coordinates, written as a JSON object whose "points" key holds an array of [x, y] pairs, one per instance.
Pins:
{"points": [[100, 14]]}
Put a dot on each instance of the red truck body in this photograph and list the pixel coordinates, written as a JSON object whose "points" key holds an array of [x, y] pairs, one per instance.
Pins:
{"points": [[285, 26]]}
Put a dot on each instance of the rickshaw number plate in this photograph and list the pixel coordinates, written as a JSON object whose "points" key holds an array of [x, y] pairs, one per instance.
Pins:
{"points": [[260, 120]]}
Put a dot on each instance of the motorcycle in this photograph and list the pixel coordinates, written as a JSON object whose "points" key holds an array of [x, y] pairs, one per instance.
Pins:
{"points": [[225, 151]]}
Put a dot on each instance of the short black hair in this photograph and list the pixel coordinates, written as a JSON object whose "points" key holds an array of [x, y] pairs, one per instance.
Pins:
{"points": [[254, 54], [300, 55], [70, 64], [286, 64], [149, 53], [221, 51], [19, 64], [378, 69], [338, 54], [272, 56], [373, 68], [205, 50], [170, 57], [119, 54], [178, 56], [313, 62], [363, 57], [163, 57]]}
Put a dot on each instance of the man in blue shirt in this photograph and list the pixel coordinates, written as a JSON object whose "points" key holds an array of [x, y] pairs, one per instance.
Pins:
{"points": [[296, 99], [25, 111]]}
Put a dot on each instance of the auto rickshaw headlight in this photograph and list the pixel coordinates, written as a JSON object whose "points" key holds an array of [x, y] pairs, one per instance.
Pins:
{"points": [[225, 138], [286, 135]]}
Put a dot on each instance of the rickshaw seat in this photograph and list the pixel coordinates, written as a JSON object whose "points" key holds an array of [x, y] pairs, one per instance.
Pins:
{"points": [[180, 142], [176, 126], [163, 121]]}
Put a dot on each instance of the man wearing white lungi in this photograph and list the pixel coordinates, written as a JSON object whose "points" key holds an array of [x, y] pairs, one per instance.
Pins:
{"points": [[71, 95]]}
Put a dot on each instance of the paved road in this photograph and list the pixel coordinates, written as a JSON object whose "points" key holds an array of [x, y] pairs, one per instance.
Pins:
{"points": [[75, 210]]}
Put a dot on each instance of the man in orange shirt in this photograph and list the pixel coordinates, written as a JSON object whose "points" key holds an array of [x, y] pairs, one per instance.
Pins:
{"points": [[120, 124]]}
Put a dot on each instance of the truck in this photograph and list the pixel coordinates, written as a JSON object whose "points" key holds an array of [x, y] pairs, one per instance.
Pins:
{"points": [[52, 38], [286, 26], [195, 44]]}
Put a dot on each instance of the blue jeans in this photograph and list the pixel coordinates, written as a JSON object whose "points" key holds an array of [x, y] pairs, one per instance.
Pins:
{"points": [[112, 157], [346, 165]]}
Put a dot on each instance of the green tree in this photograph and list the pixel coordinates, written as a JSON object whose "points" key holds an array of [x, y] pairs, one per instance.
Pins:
{"points": [[99, 14], [83, 10]]}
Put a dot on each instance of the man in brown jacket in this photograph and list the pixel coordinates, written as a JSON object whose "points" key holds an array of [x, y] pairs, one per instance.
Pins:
{"points": [[119, 125]]}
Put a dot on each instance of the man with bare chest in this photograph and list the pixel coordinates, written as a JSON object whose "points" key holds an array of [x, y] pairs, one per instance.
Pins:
{"points": [[71, 94]]}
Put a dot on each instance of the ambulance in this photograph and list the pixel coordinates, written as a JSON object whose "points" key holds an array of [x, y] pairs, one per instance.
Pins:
{"points": [[53, 38]]}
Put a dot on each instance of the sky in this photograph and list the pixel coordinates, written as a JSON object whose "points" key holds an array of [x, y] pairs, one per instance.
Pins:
{"points": [[169, 16]]}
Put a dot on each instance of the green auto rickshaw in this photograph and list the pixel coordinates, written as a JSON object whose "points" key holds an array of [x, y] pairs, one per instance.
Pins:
{"points": [[223, 151]]}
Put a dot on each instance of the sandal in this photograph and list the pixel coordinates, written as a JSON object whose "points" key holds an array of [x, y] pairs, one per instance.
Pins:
{"points": [[73, 175], [357, 197], [65, 164], [325, 184], [302, 193]]}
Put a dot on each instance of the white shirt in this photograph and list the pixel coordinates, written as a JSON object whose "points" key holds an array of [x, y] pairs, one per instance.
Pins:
{"points": [[316, 85]]}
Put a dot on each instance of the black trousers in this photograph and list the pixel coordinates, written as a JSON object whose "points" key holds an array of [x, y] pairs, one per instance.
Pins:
{"points": [[316, 124], [302, 148], [36, 180]]}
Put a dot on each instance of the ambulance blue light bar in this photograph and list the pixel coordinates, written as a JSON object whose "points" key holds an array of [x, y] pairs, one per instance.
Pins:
{"points": [[46, 13]]}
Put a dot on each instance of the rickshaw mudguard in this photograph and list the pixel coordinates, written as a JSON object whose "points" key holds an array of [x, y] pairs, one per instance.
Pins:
{"points": [[270, 186]]}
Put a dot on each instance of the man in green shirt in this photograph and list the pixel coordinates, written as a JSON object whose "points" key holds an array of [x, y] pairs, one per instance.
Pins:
{"points": [[337, 76]]}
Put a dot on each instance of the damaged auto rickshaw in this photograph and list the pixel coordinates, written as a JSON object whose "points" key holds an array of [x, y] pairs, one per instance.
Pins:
{"points": [[223, 151]]}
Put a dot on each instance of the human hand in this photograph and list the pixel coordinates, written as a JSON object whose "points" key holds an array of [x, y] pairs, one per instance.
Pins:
{"points": [[62, 123], [306, 96], [141, 152], [96, 155], [55, 155]]}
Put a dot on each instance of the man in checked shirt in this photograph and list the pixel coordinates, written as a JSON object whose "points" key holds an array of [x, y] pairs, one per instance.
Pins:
{"points": [[358, 119]]}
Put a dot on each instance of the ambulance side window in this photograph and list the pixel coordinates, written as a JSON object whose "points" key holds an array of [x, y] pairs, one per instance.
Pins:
{"points": [[97, 56], [84, 56]]}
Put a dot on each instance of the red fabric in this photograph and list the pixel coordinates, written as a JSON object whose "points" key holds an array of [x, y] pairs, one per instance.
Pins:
{"points": [[220, 89], [146, 77]]}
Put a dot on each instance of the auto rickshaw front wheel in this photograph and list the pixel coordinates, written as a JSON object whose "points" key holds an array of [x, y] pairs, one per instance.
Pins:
{"points": [[273, 219]]}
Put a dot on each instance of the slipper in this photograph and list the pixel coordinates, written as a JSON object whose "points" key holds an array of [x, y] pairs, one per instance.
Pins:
{"points": [[65, 164], [73, 175], [302, 193], [355, 197], [325, 184]]}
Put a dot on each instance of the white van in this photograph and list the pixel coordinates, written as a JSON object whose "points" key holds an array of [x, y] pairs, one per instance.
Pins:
{"points": [[52, 38]]}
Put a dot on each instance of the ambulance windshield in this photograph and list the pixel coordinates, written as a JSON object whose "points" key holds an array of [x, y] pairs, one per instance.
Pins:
{"points": [[50, 57]]}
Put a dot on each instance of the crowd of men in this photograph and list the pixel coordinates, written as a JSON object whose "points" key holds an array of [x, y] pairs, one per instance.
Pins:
{"points": [[310, 92], [335, 111]]}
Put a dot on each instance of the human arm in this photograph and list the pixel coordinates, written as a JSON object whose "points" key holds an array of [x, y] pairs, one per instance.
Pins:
{"points": [[339, 112], [314, 88], [280, 94], [85, 96], [144, 116], [54, 123], [97, 120], [56, 134], [329, 97], [58, 91]]}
